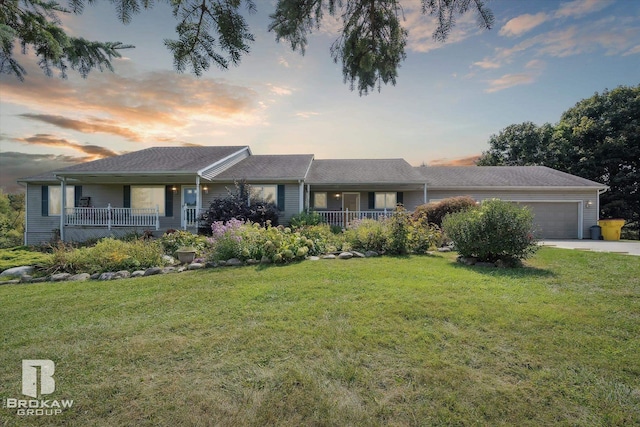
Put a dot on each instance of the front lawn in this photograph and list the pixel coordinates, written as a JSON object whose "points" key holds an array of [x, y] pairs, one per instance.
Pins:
{"points": [[418, 340]]}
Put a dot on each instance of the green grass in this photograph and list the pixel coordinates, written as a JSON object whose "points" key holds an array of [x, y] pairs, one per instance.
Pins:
{"points": [[381, 341]]}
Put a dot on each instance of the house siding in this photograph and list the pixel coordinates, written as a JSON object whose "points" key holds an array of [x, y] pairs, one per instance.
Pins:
{"points": [[39, 228], [411, 199], [589, 214]]}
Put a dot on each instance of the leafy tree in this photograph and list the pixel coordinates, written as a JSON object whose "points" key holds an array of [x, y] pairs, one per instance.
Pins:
{"points": [[371, 45], [597, 139], [11, 219]]}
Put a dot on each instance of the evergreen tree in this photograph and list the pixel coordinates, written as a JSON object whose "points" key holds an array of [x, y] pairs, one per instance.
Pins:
{"points": [[371, 45]]}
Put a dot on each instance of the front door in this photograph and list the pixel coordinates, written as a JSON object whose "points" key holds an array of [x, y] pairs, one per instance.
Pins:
{"points": [[190, 214], [351, 206]]}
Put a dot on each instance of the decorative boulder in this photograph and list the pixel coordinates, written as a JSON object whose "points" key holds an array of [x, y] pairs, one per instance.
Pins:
{"points": [[80, 277], [60, 277], [329, 256], [17, 271], [358, 254], [233, 262], [195, 266], [152, 271], [345, 255], [370, 254]]}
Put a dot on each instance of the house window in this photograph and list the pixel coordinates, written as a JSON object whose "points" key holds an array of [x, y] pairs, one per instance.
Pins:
{"points": [[148, 197], [320, 200], [386, 200], [268, 193], [55, 196]]}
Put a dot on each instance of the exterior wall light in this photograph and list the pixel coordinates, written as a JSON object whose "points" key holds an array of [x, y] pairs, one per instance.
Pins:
{"points": [[205, 189], [174, 189], [589, 203]]}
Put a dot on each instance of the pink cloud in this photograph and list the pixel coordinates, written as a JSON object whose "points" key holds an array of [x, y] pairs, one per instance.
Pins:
{"points": [[522, 24]]}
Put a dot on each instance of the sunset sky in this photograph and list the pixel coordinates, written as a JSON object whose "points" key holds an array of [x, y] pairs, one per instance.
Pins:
{"points": [[540, 58]]}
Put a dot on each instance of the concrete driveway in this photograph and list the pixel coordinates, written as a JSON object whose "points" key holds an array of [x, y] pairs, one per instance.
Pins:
{"points": [[631, 247]]}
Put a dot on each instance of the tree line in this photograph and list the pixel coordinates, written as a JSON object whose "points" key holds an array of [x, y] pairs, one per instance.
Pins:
{"points": [[597, 139]]}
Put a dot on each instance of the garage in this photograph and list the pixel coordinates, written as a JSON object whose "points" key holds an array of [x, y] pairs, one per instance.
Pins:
{"points": [[555, 220]]}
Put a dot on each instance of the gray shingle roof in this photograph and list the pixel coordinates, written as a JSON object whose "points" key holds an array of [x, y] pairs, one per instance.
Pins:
{"points": [[500, 176], [273, 167], [157, 159], [363, 171]]}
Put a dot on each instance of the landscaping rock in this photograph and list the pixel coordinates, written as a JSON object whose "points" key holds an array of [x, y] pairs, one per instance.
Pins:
{"points": [[358, 254], [80, 277], [40, 279], [60, 277], [10, 282], [95, 276], [313, 258], [137, 273], [110, 275], [17, 271], [26, 278], [444, 249], [233, 262], [168, 270], [345, 255], [152, 271], [370, 254], [195, 266], [181, 269], [252, 261], [211, 265], [265, 260], [123, 274], [329, 256]]}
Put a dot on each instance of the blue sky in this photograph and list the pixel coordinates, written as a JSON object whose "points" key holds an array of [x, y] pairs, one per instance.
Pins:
{"points": [[540, 58]]}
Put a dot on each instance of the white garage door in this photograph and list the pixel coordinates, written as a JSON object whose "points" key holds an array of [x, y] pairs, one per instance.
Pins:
{"points": [[555, 220]]}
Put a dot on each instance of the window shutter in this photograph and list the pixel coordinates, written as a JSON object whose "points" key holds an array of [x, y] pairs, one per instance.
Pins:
{"points": [[400, 197], [126, 203], [372, 200], [281, 197], [168, 201], [77, 194], [45, 200]]}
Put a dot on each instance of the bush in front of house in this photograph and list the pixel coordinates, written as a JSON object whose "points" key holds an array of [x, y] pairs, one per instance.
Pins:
{"points": [[304, 219], [325, 239], [108, 254], [246, 240], [236, 206], [434, 212], [497, 230], [397, 234], [172, 240]]}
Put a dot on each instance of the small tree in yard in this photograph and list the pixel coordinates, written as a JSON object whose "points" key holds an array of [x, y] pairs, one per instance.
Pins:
{"points": [[495, 231], [238, 205]]}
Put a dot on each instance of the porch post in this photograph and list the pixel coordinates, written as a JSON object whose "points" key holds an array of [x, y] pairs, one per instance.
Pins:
{"points": [[198, 201], [301, 197], [63, 204], [425, 193], [308, 203]]}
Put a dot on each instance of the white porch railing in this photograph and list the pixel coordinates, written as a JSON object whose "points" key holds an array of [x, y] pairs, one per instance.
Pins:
{"points": [[112, 217], [190, 216], [343, 218]]}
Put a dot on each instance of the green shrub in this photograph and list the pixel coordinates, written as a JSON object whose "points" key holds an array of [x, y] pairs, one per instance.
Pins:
{"points": [[398, 242], [422, 237], [434, 212], [172, 240], [252, 241], [21, 255], [323, 238], [304, 219], [107, 255], [367, 235], [496, 231]]}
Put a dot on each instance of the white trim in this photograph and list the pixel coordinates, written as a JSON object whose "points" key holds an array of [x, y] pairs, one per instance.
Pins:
{"points": [[300, 196], [63, 205], [212, 165]]}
